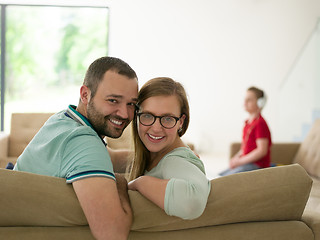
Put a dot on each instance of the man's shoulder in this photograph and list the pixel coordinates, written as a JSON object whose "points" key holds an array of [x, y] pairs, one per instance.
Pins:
{"points": [[63, 124]]}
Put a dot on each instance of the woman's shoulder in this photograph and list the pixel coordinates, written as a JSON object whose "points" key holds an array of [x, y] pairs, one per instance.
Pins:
{"points": [[183, 154]]}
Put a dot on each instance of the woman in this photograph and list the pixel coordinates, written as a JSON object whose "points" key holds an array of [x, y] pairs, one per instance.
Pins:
{"points": [[256, 139], [164, 169]]}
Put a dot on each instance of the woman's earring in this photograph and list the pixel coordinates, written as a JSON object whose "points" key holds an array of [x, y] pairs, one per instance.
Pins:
{"points": [[180, 130]]}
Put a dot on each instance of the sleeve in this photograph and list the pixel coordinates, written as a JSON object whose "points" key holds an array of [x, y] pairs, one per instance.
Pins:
{"points": [[86, 156], [187, 190]]}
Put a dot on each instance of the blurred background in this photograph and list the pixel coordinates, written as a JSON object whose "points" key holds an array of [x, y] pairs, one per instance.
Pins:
{"points": [[216, 49]]}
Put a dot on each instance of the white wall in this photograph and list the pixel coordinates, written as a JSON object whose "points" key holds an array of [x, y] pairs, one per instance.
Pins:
{"points": [[217, 49]]}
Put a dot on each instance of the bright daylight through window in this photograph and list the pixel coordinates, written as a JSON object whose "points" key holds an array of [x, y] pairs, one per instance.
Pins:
{"points": [[46, 52]]}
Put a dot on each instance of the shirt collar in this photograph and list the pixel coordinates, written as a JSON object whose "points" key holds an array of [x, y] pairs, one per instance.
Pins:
{"points": [[76, 116], [72, 113], [254, 120]]}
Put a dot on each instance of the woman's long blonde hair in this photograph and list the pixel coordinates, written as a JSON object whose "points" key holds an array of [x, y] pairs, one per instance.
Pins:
{"points": [[161, 86]]}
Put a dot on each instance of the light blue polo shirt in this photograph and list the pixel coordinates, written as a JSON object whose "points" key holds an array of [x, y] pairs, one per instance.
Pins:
{"points": [[68, 147]]}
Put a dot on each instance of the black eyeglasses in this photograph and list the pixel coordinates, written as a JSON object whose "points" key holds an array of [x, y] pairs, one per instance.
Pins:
{"points": [[147, 119]]}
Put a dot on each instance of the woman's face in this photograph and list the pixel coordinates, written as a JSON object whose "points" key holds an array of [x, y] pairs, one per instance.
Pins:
{"points": [[156, 138]]}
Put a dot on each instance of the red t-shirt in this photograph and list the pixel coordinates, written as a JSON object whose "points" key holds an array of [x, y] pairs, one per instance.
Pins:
{"points": [[258, 128]]}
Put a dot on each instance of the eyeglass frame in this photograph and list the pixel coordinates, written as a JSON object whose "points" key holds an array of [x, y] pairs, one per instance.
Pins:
{"points": [[160, 117]]}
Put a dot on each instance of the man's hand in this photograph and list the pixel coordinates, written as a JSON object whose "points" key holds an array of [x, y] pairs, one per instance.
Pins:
{"points": [[122, 186]]}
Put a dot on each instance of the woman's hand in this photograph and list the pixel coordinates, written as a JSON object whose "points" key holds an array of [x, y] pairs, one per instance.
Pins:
{"points": [[133, 185]]}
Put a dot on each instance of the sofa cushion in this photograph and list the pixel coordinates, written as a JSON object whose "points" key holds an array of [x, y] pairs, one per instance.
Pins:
{"points": [[278, 193], [308, 154]]}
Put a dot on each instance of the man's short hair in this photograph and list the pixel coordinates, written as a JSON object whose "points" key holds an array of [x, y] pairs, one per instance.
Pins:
{"points": [[99, 67]]}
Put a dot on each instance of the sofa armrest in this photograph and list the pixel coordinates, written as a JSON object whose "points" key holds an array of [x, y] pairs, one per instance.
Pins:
{"points": [[284, 153], [234, 148], [4, 141]]}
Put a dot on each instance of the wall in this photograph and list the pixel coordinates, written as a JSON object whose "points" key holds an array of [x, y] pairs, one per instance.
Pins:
{"points": [[299, 103], [217, 49]]}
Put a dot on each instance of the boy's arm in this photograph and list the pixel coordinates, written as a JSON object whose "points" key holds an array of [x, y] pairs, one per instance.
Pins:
{"points": [[254, 155]]}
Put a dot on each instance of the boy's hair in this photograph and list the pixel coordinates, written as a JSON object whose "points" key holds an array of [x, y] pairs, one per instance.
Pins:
{"points": [[258, 92]]}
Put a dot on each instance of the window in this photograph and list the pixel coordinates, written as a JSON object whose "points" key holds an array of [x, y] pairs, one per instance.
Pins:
{"points": [[46, 52]]}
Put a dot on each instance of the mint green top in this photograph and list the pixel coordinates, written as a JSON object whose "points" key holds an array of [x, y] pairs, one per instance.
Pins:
{"points": [[68, 147], [188, 188]]}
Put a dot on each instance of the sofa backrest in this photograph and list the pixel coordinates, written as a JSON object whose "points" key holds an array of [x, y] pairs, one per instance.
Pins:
{"points": [[35, 200], [308, 155], [123, 142], [23, 128]]}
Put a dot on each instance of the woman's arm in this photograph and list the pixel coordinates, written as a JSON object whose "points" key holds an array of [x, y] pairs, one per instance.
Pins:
{"points": [[152, 188], [183, 192]]}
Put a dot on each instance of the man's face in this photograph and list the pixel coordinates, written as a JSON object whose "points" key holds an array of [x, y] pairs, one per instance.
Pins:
{"points": [[112, 108]]}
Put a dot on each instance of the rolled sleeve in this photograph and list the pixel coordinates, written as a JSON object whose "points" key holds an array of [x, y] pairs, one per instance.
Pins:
{"points": [[187, 190]]}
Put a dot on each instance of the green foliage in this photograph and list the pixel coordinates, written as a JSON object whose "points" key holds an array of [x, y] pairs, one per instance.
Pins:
{"points": [[51, 47]]}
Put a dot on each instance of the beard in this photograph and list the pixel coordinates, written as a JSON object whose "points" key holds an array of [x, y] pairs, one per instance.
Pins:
{"points": [[102, 123]]}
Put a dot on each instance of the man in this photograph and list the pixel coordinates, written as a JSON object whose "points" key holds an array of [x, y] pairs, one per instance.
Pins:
{"points": [[70, 145]]}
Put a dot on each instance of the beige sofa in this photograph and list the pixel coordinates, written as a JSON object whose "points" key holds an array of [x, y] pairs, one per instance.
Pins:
{"points": [[241, 206], [264, 204]]}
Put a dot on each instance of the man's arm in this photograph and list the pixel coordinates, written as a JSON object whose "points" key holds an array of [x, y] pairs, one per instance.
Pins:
{"points": [[106, 208]]}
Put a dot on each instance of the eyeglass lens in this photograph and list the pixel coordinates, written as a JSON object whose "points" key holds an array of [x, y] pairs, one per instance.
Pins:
{"points": [[166, 121]]}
